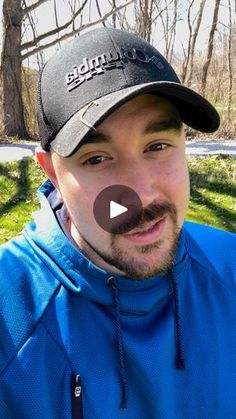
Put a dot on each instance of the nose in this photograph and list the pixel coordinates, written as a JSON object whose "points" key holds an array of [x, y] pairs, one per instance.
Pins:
{"points": [[140, 177]]}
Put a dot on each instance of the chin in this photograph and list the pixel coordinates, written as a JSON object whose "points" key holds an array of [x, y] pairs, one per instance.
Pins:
{"points": [[144, 261]]}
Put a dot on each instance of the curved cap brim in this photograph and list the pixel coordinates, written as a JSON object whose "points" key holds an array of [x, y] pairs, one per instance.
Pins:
{"points": [[195, 111]]}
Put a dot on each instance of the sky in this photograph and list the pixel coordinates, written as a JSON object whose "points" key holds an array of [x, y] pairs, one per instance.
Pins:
{"points": [[44, 18]]}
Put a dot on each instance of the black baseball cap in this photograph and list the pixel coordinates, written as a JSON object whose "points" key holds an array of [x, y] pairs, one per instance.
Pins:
{"points": [[96, 73]]}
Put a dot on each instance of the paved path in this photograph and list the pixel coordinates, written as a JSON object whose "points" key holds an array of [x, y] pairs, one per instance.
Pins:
{"points": [[11, 152], [211, 148]]}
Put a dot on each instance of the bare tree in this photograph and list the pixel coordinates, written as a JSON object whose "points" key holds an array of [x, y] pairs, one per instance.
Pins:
{"points": [[14, 51], [187, 53], [99, 12], [194, 39], [36, 46], [193, 26], [13, 114], [114, 14], [168, 13], [210, 46], [143, 16], [173, 29], [230, 61]]}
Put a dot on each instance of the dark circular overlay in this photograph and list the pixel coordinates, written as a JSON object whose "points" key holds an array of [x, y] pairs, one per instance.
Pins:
{"points": [[121, 195]]}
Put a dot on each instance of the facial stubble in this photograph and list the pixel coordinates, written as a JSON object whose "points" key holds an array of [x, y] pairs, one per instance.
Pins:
{"points": [[135, 268], [131, 266]]}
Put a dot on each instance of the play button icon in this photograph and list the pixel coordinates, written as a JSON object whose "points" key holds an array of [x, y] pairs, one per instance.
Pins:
{"points": [[117, 209]]}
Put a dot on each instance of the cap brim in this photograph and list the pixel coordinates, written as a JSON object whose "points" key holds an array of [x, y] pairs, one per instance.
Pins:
{"points": [[195, 111]]}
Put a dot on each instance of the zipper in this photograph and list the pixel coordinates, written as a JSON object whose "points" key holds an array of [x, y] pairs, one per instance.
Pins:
{"points": [[76, 397]]}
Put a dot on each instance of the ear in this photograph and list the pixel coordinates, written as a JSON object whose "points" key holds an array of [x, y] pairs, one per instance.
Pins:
{"points": [[44, 159]]}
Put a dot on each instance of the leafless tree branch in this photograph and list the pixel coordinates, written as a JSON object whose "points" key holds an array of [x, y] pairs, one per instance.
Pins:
{"points": [[54, 31], [99, 11], [76, 32], [32, 7]]}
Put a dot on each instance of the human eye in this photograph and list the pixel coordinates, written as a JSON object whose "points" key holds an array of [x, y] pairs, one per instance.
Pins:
{"points": [[94, 160], [156, 147]]}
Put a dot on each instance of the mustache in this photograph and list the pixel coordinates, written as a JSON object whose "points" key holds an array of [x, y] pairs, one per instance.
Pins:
{"points": [[137, 219]]}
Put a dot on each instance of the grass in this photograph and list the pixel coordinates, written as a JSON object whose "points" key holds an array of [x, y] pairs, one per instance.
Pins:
{"points": [[18, 198], [213, 193]]}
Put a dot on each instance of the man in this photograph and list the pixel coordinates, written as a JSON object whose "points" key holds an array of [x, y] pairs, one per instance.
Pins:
{"points": [[111, 305]]}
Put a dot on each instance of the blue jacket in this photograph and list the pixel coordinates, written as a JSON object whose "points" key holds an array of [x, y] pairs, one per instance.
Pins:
{"points": [[79, 342]]}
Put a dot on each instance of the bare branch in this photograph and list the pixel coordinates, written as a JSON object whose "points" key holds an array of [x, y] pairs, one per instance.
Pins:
{"points": [[77, 31], [124, 23], [54, 31], [168, 25], [32, 7], [194, 39], [99, 11], [173, 31], [32, 21], [187, 56], [114, 15], [55, 13]]}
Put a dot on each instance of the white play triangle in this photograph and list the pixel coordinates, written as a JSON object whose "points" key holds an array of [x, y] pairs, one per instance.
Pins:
{"points": [[116, 209]]}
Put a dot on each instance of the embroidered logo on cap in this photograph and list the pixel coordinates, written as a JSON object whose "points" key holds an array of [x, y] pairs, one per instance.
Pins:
{"points": [[107, 61]]}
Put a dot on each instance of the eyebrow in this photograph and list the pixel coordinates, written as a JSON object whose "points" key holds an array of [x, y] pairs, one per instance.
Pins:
{"points": [[168, 125], [95, 137], [152, 128]]}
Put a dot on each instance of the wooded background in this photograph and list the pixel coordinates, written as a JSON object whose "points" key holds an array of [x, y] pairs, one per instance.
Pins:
{"points": [[208, 67]]}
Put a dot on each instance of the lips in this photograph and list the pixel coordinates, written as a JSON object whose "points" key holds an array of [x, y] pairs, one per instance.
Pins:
{"points": [[147, 228], [148, 234]]}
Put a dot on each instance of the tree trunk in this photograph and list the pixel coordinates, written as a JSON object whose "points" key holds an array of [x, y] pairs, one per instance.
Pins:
{"points": [[144, 17], [230, 62], [13, 118], [187, 55], [173, 31], [193, 41], [210, 46]]}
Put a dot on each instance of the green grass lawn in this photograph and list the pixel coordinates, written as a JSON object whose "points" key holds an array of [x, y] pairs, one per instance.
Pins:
{"points": [[213, 193]]}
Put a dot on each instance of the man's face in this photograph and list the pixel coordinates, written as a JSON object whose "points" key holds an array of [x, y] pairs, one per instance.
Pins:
{"points": [[142, 146]]}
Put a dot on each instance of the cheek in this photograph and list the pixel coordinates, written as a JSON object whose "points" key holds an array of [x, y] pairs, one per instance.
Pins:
{"points": [[77, 198], [176, 184]]}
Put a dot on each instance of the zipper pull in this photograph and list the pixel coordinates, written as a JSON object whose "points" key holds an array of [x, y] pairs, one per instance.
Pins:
{"points": [[76, 397], [78, 387]]}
